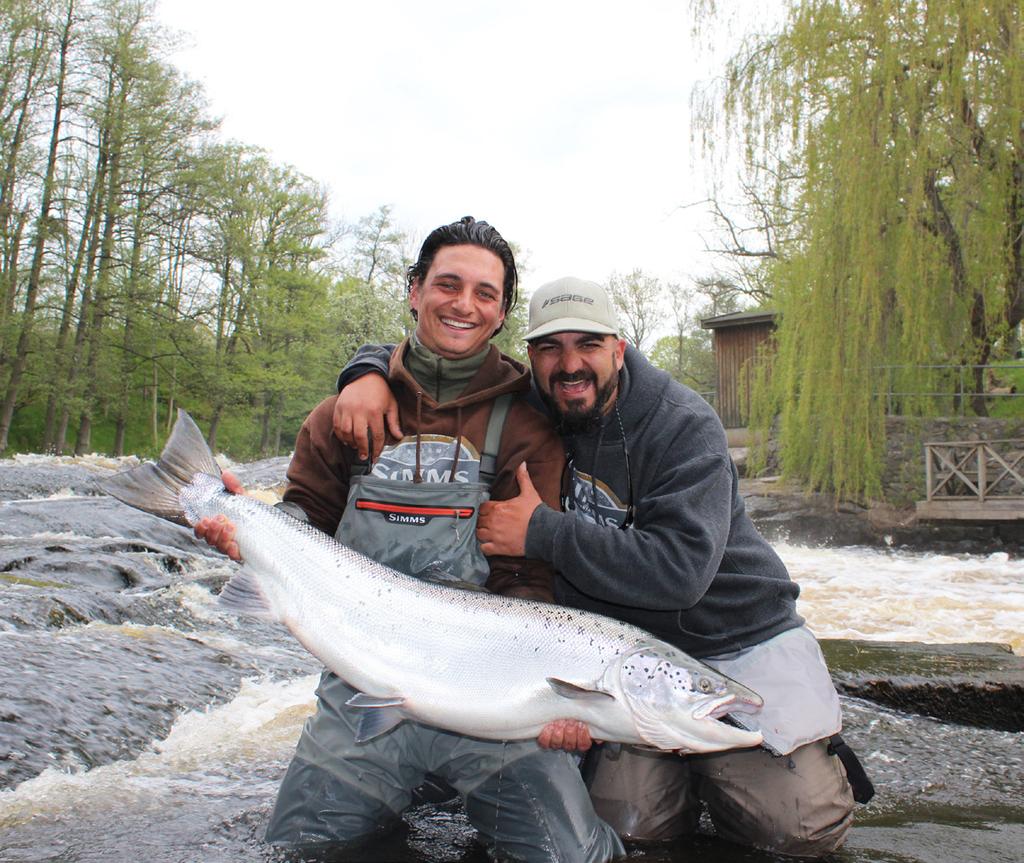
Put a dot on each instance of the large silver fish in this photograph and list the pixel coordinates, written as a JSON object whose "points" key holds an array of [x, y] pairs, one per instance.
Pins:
{"points": [[468, 661]]}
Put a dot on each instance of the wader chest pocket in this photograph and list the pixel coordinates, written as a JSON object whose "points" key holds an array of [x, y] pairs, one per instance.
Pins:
{"points": [[423, 529]]}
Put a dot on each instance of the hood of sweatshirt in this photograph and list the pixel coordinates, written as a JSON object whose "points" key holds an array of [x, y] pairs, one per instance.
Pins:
{"points": [[496, 375]]}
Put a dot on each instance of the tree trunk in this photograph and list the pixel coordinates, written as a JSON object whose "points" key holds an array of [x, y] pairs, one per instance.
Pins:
{"points": [[83, 439], [128, 336], [32, 291], [65, 369]]}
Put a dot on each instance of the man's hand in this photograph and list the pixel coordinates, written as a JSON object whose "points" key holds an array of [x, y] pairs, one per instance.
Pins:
{"points": [[362, 408], [216, 529], [568, 734], [502, 525]]}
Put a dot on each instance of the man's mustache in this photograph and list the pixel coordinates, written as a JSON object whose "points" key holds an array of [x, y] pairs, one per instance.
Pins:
{"points": [[573, 378]]}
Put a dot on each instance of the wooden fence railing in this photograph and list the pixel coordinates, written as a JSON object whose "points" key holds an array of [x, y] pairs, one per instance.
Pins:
{"points": [[980, 469]]}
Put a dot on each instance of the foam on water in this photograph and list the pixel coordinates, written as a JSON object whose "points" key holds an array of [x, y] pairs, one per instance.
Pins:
{"points": [[906, 596], [261, 724], [91, 460]]}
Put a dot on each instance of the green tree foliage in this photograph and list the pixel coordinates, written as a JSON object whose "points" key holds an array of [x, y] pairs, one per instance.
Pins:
{"points": [[145, 266], [689, 358], [889, 136], [688, 354]]}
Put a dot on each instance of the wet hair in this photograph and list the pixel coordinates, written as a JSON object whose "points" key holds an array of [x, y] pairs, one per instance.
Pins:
{"points": [[468, 232]]}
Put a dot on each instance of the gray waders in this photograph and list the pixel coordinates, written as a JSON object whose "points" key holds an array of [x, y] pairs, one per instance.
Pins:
{"points": [[527, 803]]}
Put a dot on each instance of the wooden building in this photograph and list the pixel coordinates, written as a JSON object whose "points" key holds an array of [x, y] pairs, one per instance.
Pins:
{"points": [[736, 338]]}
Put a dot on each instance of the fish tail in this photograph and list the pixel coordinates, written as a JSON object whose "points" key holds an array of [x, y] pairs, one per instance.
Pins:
{"points": [[155, 487]]}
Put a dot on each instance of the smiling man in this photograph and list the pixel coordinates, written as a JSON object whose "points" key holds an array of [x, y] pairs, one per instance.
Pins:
{"points": [[414, 508]]}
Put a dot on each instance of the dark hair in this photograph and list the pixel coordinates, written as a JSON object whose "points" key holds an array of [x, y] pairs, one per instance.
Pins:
{"points": [[468, 232]]}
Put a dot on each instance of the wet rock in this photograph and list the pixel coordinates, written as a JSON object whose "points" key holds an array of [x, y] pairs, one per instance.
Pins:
{"points": [[269, 473], [69, 519], [783, 512], [981, 685], [97, 694], [34, 477]]}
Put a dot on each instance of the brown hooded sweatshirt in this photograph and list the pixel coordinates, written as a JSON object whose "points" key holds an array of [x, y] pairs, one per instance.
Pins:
{"points": [[318, 475]]}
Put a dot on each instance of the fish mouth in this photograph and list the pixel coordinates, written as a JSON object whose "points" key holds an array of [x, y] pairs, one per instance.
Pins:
{"points": [[715, 708], [720, 708]]}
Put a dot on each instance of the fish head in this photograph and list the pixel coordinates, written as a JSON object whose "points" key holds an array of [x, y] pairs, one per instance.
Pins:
{"points": [[678, 702]]}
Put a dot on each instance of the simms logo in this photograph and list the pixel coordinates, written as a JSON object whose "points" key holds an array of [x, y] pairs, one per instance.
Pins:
{"points": [[568, 298], [398, 518]]}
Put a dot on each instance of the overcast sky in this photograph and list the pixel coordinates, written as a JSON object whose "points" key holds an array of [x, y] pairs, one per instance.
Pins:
{"points": [[564, 124]]}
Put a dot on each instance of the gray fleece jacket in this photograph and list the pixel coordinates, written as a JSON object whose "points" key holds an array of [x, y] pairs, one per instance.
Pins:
{"points": [[692, 568]]}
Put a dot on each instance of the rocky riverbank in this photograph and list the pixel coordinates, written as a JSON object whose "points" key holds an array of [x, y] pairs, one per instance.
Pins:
{"points": [[784, 512], [980, 685]]}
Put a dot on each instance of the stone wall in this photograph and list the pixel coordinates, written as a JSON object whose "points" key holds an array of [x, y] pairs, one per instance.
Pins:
{"points": [[903, 478]]}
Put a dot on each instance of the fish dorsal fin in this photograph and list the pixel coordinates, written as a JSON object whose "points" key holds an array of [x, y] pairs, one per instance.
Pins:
{"points": [[573, 690], [378, 715], [243, 595]]}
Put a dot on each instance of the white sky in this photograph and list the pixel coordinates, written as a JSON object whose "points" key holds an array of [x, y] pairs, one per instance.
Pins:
{"points": [[564, 124]]}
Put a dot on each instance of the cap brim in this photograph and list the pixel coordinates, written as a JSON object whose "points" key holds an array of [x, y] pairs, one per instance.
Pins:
{"points": [[569, 325]]}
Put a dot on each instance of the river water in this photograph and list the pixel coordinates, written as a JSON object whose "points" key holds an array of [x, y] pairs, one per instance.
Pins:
{"points": [[139, 723]]}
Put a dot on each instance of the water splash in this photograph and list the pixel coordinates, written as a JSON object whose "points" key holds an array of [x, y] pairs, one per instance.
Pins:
{"points": [[891, 595]]}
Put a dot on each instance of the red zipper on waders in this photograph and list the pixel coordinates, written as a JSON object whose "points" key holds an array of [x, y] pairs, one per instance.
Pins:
{"points": [[407, 509]]}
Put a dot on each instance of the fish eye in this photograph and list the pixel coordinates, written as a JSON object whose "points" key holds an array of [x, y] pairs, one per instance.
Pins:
{"points": [[704, 684]]}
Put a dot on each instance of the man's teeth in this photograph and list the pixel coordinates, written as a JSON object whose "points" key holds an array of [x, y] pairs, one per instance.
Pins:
{"points": [[462, 325]]}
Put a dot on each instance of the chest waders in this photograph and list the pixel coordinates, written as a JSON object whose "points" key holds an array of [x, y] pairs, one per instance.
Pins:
{"points": [[424, 529]]}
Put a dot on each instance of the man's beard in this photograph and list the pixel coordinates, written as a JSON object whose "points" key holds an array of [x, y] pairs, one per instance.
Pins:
{"points": [[574, 419]]}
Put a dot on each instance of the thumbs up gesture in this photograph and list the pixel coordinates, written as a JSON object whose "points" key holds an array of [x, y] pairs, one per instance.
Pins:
{"points": [[503, 523]]}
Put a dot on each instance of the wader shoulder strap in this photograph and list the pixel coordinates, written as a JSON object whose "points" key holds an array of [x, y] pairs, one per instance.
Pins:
{"points": [[361, 466], [489, 457], [861, 786]]}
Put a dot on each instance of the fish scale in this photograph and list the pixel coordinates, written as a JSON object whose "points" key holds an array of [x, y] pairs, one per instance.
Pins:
{"points": [[465, 660]]}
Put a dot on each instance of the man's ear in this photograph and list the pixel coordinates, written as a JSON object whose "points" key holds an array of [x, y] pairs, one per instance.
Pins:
{"points": [[620, 353], [414, 299]]}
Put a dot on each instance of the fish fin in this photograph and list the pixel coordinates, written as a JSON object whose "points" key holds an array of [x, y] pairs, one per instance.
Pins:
{"points": [[439, 577], [573, 690], [243, 595], [378, 714], [153, 487], [361, 699], [186, 452], [149, 488], [374, 723]]}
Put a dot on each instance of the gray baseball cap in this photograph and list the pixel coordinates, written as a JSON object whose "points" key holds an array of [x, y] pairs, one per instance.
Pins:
{"points": [[571, 305]]}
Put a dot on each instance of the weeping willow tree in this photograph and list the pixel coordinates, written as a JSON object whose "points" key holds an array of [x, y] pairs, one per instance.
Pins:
{"points": [[887, 137]]}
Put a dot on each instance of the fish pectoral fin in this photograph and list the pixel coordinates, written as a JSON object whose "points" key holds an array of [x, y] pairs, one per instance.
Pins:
{"points": [[572, 690], [361, 699], [379, 714], [377, 721], [243, 595]]}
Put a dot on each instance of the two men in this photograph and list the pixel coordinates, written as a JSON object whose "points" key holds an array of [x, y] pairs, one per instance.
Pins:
{"points": [[652, 531], [471, 427]]}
